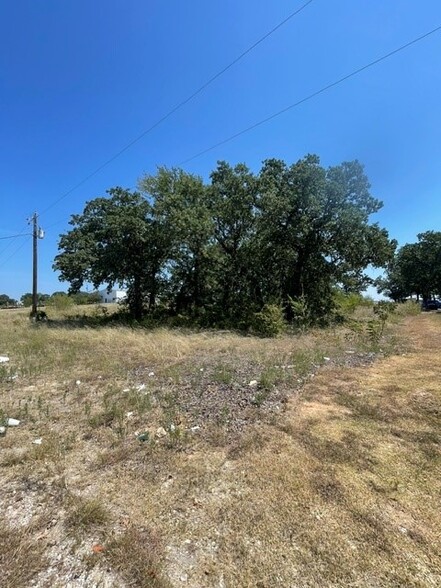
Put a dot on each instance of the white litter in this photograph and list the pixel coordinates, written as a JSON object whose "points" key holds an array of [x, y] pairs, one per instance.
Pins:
{"points": [[13, 422], [2, 430], [140, 387], [78, 382], [38, 441], [253, 383], [151, 374], [327, 359], [3, 359]]}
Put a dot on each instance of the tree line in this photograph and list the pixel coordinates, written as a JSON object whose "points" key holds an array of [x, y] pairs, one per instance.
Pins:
{"points": [[415, 270], [222, 251]]}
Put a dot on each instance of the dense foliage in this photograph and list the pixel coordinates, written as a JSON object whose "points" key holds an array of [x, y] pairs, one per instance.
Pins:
{"points": [[223, 252], [415, 269]]}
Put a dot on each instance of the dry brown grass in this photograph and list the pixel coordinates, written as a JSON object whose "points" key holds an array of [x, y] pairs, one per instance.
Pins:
{"points": [[300, 481]]}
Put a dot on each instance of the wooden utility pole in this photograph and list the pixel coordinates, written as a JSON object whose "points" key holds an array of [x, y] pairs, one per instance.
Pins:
{"points": [[36, 234]]}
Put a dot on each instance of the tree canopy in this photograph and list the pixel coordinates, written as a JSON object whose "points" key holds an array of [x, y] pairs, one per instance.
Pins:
{"points": [[415, 269], [219, 251]]}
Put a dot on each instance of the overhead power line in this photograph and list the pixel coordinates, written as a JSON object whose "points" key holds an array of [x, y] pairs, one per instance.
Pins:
{"points": [[179, 105], [15, 236], [311, 96]]}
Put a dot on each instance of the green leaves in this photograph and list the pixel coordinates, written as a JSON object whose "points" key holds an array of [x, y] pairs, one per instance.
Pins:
{"points": [[222, 251]]}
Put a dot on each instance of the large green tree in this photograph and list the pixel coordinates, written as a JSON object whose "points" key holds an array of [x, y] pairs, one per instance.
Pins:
{"points": [[314, 230], [115, 241]]}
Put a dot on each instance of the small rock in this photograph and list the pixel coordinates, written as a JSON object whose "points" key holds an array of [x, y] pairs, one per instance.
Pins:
{"points": [[78, 382], [160, 432], [129, 414], [38, 441], [252, 383], [4, 359], [13, 422]]}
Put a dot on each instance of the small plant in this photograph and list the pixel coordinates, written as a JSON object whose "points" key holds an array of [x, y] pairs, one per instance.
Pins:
{"points": [[85, 514], [300, 311], [269, 322]]}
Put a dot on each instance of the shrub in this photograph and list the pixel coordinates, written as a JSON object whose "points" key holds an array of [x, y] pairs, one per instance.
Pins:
{"points": [[269, 322]]}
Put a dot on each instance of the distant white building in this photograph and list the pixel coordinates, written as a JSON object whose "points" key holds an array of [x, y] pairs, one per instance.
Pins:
{"points": [[112, 295]]}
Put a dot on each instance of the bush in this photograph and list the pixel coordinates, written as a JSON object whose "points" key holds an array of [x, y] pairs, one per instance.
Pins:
{"points": [[269, 322]]}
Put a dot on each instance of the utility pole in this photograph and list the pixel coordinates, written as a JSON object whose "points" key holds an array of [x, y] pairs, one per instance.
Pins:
{"points": [[37, 233]]}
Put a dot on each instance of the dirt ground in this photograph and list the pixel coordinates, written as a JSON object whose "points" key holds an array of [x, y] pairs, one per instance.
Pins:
{"points": [[332, 480]]}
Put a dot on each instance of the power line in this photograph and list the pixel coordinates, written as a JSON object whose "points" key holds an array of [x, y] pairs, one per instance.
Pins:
{"points": [[305, 99], [311, 96], [15, 236], [179, 105], [19, 248]]}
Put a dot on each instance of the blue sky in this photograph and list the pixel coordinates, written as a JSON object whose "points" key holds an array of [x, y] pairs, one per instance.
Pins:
{"points": [[79, 80]]}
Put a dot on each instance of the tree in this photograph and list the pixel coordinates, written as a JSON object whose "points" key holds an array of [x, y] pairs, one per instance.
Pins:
{"points": [[114, 241], [415, 269], [26, 299], [6, 301], [314, 231], [180, 208]]}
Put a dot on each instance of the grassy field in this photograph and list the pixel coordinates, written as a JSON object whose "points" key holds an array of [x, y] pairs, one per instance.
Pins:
{"points": [[170, 458]]}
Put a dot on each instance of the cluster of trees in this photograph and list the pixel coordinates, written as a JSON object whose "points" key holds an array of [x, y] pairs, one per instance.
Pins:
{"points": [[415, 270], [6, 301], [61, 298], [219, 252]]}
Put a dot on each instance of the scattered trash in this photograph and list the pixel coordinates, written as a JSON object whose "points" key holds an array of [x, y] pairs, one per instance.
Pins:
{"points": [[3, 359], [12, 422], [201, 369], [78, 382], [38, 441], [2, 431], [172, 428], [253, 383], [129, 414], [12, 378], [151, 374], [98, 548], [143, 436], [326, 359], [126, 390], [195, 428], [140, 387], [161, 432]]}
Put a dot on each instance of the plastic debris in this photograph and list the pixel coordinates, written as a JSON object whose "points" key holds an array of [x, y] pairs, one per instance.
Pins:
{"points": [[253, 383], [98, 548], [143, 436], [151, 374], [2, 431], [140, 388], [327, 359], [38, 441], [13, 422], [4, 359], [78, 382]]}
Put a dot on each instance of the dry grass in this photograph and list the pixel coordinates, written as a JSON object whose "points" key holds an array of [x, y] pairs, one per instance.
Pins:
{"points": [[21, 555], [155, 446]]}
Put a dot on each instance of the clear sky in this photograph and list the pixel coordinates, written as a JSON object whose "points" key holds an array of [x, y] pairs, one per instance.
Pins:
{"points": [[80, 79]]}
